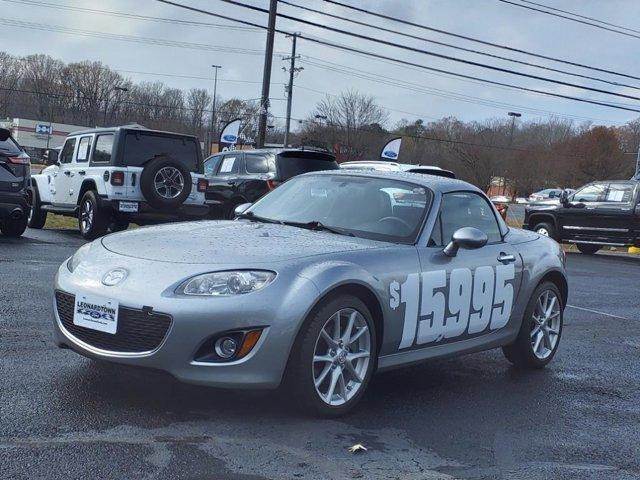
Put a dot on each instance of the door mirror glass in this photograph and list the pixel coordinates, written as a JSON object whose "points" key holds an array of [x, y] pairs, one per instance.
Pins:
{"points": [[50, 157], [240, 209], [564, 197], [466, 237]]}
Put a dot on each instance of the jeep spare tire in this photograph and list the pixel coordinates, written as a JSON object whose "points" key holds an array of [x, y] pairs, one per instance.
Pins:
{"points": [[165, 183]]}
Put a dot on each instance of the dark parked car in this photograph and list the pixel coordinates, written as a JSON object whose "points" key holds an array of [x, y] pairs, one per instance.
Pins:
{"points": [[15, 172], [600, 213], [237, 177]]}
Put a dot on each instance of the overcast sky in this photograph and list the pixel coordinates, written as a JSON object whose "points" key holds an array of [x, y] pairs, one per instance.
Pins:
{"points": [[437, 96]]}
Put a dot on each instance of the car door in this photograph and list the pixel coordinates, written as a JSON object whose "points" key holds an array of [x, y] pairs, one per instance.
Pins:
{"points": [[577, 219], [230, 169], [78, 167], [613, 217], [61, 177], [472, 293]]}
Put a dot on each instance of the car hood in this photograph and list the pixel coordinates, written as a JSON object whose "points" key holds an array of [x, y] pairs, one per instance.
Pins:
{"points": [[229, 242]]}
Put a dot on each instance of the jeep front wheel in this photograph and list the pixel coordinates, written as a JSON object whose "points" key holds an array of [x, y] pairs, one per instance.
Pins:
{"points": [[92, 221], [37, 217]]}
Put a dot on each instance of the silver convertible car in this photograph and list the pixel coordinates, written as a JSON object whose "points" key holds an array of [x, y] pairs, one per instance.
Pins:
{"points": [[325, 280]]}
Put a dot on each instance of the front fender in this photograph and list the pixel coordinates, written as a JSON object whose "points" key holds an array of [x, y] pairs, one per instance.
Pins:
{"points": [[41, 183]]}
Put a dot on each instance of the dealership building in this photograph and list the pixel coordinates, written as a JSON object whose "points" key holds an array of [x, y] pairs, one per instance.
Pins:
{"points": [[36, 136]]}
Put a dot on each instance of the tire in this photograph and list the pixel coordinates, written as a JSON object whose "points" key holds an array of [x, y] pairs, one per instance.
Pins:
{"points": [[14, 228], [521, 352], [118, 225], [165, 183], [230, 211], [92, 220], [302, 371], [545, 229], [37, 217], [588, 248]]}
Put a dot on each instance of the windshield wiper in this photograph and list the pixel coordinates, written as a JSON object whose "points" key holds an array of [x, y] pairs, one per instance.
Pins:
{"points": [[254, 217], [316, 225]]}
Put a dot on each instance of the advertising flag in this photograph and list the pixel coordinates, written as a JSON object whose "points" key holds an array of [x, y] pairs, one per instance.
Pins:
{"points": [[391, 150], [229, 136]]}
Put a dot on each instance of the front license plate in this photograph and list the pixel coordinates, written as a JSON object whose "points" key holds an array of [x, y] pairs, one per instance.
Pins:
{"points": [[129, 207], [96, 313]]}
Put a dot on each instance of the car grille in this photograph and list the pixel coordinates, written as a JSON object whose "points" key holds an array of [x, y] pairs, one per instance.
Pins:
{"points": [[137, 332]]}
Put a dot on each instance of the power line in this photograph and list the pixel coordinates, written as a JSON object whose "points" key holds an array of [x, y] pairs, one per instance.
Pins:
{"points": [[577, 20], [477, 40], [449, 45], [581, 16], [404, 62], [133, 16], [433, 54], [175, 75]]}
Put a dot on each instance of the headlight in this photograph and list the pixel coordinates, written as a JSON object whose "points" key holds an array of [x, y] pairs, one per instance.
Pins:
{"points": [[78, 257], [227, 283]]}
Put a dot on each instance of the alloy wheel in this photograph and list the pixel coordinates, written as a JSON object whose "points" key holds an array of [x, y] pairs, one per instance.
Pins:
{"points": [[169, 182], [545, 328], [86, 216], [543, 231], [31, 207], [341, 357]]}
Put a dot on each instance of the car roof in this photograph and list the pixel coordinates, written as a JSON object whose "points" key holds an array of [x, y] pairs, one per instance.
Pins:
{"points": [[406, 167], [433, 182], [133, 128]]}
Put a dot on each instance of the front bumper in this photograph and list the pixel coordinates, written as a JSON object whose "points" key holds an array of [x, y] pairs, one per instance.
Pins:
{"points": [[280, 308]]}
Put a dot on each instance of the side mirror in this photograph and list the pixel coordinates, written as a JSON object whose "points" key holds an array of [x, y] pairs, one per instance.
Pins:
{"points": [[466, 237], [240, 209], [564, 197], [51, 157]]}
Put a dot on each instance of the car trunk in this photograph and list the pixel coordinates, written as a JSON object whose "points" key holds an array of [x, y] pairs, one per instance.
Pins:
{"points": [[14, 165], [290, 164]]}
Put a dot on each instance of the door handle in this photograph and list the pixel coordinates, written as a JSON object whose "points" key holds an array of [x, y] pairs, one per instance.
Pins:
{"points": [[67, 173], [82, 172], [505, 258]]}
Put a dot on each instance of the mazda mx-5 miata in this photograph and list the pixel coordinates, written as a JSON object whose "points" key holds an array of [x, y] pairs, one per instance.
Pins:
{"points": [[325, 280]]}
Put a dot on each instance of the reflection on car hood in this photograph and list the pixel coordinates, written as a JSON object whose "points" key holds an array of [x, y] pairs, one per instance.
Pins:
{"points": [[229, 242]]}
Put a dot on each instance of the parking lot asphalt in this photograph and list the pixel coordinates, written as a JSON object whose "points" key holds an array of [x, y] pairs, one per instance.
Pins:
{"points": [[474, 417]]}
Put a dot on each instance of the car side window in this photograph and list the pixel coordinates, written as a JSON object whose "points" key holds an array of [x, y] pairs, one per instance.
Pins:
{"points": [[103, 149], [591, 193], [67, 151], [211, 165], [620, 193], [256, 163], [468, 209], [84, 148], [230, 164]]}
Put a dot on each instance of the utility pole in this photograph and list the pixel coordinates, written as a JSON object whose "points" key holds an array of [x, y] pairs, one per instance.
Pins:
{"points": [[292, 73], [513, 116], [212, 132], [637, 175], [266, 75]]}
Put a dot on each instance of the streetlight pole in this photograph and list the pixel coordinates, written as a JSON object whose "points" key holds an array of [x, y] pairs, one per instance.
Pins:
{"points": [[213, 110]]}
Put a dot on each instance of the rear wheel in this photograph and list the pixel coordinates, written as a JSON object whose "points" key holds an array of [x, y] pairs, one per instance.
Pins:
{"points": [[92, 221], [545, 229], [540, 331], [588, 248], [37, 217], [333, 360], [14, 227]]}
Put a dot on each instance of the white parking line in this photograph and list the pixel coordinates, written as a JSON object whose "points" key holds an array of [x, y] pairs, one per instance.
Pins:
{"points": [[598, 312]]}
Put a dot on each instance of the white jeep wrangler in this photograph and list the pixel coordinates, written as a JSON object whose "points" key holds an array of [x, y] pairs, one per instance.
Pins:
{"points": [[110, 177]]}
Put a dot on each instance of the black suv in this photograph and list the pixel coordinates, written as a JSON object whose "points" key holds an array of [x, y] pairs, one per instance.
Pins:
{"points": [[600, 213], [237, 177], [15, 172]]}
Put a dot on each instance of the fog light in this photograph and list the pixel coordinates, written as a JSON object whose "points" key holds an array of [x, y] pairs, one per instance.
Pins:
{"points": [[226, 347]]}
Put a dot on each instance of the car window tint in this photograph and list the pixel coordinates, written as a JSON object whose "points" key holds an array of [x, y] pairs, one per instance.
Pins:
{"points": [[620, 193], [211, 165], [141, 146], [468, 209], [84, 148], [256, 163], [67, 152], [102, 150], [230, 164], [289, 164], [591, 193]]}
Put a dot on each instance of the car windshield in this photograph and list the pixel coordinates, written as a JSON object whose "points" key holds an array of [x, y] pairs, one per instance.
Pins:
{"points": [[376, 208]]}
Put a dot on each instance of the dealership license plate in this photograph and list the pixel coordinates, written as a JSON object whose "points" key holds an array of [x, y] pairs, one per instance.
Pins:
{"points": [[96, 313], [129, 207]]}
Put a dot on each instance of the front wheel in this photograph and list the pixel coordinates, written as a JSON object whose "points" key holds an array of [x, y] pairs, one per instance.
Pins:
{"points": [[333, 361], [92, 221], [37, 217], [541, 328], [588, 248], [545, 229]]}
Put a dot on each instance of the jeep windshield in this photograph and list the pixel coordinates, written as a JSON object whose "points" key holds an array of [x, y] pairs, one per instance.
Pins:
{"points": [[141, 146], [375, 208]]}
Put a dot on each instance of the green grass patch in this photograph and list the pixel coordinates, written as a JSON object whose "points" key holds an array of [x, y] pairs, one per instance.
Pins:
{"points": [[60, 222]]}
